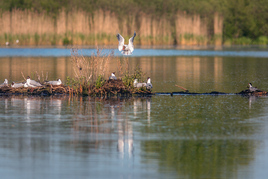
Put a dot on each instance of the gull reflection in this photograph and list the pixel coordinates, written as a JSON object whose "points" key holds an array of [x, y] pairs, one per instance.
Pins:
{"points": [[112, 114], [120, 140], [6, 105], [142, 104], [55, 108], [32, 106], [148, 101], [125, 139], [251, 100], [124, 130], [139, 105], [16, 102]]}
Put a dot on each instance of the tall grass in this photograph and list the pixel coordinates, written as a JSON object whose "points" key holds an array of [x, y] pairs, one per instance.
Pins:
{"points": [[88, 70], [100, 27]]}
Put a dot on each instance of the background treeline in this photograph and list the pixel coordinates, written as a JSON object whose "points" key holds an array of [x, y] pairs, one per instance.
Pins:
{"points": [[244, 21]]}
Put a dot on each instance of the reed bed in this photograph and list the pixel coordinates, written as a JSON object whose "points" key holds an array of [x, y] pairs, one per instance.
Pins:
{"points": [[90, 75], [79, 27], [90, 78]]}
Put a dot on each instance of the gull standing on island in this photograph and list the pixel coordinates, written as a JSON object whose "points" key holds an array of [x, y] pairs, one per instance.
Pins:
{"points": [[126, 49], [149, 84], [4, 84], [251, 88], [112, 77]]}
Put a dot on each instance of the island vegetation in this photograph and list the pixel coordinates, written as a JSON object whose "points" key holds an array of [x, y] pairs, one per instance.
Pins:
{"points": [[89, 79], [158, 22]]}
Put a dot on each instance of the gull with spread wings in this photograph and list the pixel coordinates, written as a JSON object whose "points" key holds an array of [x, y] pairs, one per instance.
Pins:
{"points": [[126, 49]]}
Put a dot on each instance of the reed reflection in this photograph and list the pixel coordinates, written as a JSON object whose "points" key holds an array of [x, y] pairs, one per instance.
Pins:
{"points": [[206, 158], [92, 122], [27, 124], [191, 135], [202, 135], [105, 121]]}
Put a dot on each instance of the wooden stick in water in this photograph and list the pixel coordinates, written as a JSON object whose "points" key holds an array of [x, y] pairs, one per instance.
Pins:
{"points": [[182, 87]]}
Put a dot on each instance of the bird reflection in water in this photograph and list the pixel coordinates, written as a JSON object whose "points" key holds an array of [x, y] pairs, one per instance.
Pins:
{"points": [[124, 130], [142, 104], [32, 107], [125, 138], [107, 123], [251, 99], [55, 107]]}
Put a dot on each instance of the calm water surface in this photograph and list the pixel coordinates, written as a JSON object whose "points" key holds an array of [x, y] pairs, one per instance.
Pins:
{"points": [[198, 136]]}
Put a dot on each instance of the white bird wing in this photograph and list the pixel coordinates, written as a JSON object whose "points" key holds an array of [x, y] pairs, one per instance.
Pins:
{"points": [[121, 41], [34, 83], [17, 85], [139, 85], [130, 43], [53, 82]]}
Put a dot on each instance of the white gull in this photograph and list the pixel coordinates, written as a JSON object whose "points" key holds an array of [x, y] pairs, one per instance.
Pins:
{"points": [[17, 85], [4, 84], [126, 49], [138, 85], [58, 82], [112, 77], [32, 83], [149, 84]]}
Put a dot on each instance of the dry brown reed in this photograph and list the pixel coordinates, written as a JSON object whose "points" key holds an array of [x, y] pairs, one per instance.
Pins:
{"points": [[23, 76], [123, 66], [82, 66], [43, 79], [99, 28], [39, 78], [88, 69]]}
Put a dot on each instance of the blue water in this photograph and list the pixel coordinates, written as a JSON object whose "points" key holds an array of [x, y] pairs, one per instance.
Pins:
{"points": [[163, 136], [65, 52]]}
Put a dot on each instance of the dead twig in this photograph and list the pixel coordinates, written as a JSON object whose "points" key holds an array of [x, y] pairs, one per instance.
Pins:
{"points": [[23, 76], [186, 90], [38, 76]]}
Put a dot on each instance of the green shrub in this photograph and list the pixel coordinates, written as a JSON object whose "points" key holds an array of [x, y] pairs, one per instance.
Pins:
{"points": [[66, 41], [242, 41], [262, 40], [100, 81]]}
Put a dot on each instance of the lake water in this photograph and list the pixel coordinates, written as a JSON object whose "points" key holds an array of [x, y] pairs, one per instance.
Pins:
{"points": [[184, 136]]}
